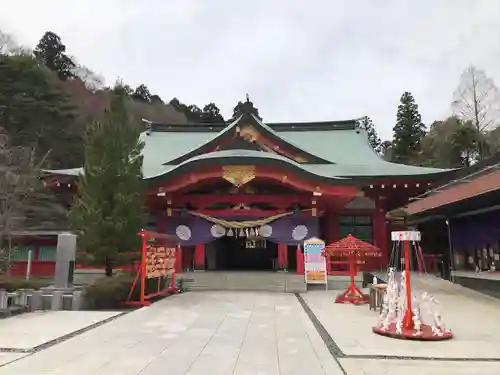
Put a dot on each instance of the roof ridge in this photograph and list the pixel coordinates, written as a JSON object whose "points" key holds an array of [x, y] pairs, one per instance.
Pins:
{"points": [[274, 126]]}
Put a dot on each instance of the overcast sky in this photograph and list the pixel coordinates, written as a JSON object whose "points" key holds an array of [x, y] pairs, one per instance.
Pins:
{"points": [[300, 60]]}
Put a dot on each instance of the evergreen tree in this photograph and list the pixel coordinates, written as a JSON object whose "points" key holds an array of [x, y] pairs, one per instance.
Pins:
{"points": [[366, 123], [36, 114], [156, 99], [385, 150], [51, 51], [192, 112], [408, 131], [211, 113], [451, 143], [108, 210], [142, 94]]}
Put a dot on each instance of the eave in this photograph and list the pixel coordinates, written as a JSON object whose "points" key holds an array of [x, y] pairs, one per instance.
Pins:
{"points": [[463, 193]]}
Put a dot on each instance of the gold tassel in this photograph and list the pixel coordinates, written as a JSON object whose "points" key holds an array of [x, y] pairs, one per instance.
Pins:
{"points": [[242, 234], [230, 232]]}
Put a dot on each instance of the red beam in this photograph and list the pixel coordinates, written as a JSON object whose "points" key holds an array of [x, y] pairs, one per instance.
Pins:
{"points": [[205, 200], [288, 179], [251, 212]]}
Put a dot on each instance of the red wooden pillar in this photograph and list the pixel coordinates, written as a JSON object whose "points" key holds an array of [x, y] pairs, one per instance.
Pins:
{"points": [[332, 233], [333, 227], [199, 257], [285, 256], [380, 230], [282, 256], [300, 261], [178, 260]]}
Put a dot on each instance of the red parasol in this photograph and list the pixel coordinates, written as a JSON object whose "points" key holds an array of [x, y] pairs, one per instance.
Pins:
{"points": [[352, 248]]}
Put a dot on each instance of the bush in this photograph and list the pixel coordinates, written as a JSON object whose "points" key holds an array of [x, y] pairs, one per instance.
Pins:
{"points": [[109, 293], [12, 284]]}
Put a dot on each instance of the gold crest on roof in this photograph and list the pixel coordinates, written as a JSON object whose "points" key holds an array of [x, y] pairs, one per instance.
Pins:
{"points": [[238, 175]]}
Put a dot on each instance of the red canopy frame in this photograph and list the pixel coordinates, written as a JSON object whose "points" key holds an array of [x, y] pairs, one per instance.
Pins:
{"points": [[171, 246], [353, 249]]}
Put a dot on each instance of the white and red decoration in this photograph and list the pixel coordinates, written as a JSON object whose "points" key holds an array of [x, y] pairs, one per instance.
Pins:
{"points": [[315, 270], [408, 315]]}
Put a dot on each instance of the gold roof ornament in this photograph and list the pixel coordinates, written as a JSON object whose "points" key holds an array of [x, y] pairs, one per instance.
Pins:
{"points": [[238, 175]]}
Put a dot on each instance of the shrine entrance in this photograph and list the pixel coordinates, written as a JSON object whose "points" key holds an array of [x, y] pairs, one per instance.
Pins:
{"points": [[241, 254]]}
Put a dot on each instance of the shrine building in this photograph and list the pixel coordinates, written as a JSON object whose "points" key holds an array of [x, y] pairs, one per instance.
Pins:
{"points": [[244, 195], [460, 221]]}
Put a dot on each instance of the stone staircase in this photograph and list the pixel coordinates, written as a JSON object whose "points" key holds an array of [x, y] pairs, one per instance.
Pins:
{"points": [[246, 281], [278, 282], [342, 282]]}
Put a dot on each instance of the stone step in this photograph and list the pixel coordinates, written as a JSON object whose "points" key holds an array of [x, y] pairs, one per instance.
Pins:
{"points": [[245, 281]]}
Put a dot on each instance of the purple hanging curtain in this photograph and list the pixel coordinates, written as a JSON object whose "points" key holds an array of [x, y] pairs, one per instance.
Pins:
{"points": [[289, 230], [475, 231]]}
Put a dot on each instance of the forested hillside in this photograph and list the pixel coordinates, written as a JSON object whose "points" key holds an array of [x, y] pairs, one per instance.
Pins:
{"points": [[47, 99]]}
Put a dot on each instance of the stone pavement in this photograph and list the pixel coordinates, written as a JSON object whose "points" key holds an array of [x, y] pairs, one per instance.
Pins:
{"points": [[23, 333], [6, 357], [242, 333], [471, 316]]}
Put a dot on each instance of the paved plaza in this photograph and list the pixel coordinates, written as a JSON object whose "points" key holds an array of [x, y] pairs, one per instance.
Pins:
{"points": [[269, 334], [24, 333]]}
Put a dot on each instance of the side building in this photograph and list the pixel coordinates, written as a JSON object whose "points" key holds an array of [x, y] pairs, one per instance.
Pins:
{"points": [[244, 195], [460, 219]]}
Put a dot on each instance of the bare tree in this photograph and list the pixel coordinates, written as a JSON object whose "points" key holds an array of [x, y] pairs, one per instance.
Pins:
{"points": [[92, 80], [477, 99], [18, 179], [8, 46]]}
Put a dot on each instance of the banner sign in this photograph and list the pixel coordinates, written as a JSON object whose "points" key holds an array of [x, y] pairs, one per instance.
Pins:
{"points": [[160, 261], [314, 262]]}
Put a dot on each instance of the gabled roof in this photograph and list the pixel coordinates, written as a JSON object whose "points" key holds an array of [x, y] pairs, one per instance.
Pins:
{"points": [[233, 127], [335, 150]]}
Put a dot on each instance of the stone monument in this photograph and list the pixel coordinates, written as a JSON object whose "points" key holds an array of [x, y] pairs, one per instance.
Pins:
{"points": [[65, 260]]}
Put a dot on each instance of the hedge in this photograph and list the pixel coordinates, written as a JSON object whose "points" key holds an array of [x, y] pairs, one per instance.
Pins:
{"points": [[11, 284], [109, 293]]}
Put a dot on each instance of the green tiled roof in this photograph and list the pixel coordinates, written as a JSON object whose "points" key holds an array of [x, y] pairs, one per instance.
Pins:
{"points": [[337, 146], [343, 149]]}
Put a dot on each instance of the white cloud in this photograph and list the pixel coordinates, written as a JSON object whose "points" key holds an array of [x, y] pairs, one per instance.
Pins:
{"points": [[302, 60]]}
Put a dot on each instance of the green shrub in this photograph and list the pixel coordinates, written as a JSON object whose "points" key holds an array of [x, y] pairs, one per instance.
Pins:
{"points": [[109, 293], [12, 284]]}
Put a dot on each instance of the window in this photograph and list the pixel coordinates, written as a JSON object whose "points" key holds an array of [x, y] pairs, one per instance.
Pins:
{"points": [[21, 253], [359, 226], [47, 253]]}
